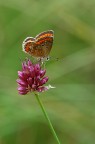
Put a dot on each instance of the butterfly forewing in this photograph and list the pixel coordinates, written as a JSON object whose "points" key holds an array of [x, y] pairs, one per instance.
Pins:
{"points": [[44, 42]]}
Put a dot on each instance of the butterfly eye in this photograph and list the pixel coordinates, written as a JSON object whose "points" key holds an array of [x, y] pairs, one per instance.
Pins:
{"points": [[47, 59]]}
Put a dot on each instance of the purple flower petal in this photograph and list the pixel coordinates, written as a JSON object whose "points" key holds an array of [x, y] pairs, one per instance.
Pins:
{"points": [[20, 74], [22, 88], [29, 63], [37, 69], [22, 93], [37, 80], [24, 66], [30, 81], [42, 73], [21, 82], [43, 81], [26, 74], [34, 87], [42, 89], [32, 72]]}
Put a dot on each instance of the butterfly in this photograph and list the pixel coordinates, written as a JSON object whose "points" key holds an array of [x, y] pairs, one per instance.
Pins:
{"points": [[40, 46]]}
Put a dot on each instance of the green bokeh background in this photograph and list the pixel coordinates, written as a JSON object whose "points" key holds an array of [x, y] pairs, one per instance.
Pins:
{"points": [[71, 105]]}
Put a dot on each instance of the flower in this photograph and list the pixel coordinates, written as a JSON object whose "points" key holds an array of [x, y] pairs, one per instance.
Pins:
{"points": [[31, 78]]}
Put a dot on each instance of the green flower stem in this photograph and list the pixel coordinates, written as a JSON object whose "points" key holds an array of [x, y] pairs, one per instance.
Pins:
{"points": [[45, 114]]}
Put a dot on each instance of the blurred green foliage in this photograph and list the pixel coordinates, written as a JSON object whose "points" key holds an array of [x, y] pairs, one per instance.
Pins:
{"points": [[71, 105]]}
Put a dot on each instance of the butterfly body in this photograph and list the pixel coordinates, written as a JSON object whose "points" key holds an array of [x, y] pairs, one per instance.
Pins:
{"points": [[39, 46]]}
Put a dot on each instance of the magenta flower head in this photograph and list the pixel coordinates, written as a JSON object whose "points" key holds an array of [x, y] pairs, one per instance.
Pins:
{"points": [[31, 78]]}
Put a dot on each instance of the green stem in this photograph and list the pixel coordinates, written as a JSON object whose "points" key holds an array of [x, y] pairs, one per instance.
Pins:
{"points": [[45, 114]]}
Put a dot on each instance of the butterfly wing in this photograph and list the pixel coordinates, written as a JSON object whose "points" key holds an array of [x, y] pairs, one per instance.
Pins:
{"points": [[28, 45], [43, 43]]}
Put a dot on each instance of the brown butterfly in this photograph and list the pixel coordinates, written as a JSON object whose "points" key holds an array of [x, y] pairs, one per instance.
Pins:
{"points": [[40, 46]]}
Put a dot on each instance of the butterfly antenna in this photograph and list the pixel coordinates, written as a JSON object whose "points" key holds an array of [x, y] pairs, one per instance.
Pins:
{"points": [[59, 59], [56, 59]]}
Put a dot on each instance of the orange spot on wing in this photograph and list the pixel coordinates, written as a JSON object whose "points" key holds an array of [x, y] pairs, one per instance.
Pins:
{"points": [[43, 40], [27, 47], [45, 35]]}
